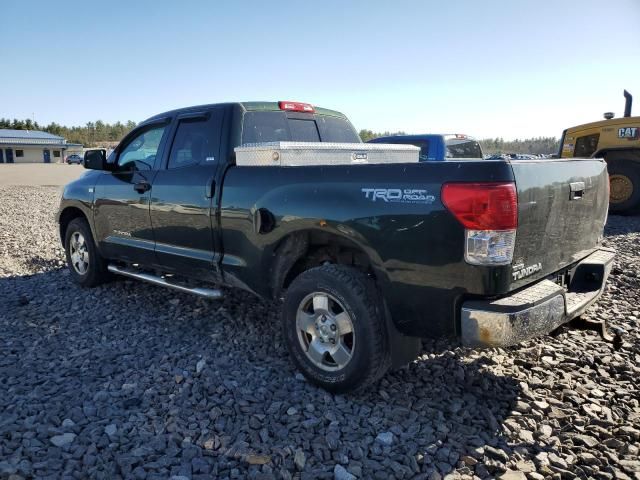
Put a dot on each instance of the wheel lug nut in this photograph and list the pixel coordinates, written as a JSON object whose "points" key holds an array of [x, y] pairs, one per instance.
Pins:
{"points": [[323, 318], [333, 340], [333, 327]]}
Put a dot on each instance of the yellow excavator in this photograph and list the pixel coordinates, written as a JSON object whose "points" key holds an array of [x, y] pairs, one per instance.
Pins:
{"points": [[617, 140]]}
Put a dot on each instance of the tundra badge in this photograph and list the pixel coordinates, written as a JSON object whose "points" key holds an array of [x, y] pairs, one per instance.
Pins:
{"points": [[520, 271]]}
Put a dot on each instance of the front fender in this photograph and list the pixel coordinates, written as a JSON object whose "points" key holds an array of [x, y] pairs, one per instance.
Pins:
{"points": [[77, 197]]}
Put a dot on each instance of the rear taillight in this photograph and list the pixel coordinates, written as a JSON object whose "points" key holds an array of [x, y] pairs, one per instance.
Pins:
{"points": [[296, 107], [489, 213]]}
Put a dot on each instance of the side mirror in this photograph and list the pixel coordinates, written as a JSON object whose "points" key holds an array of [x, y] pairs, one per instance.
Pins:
{"points": [[95, 159]]}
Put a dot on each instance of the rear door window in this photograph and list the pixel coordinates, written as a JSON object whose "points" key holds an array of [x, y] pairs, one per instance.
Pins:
{"points": [[195, 142]]}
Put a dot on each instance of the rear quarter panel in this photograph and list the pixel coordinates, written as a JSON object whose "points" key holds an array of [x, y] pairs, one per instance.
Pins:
{"points": [[415, 247]]}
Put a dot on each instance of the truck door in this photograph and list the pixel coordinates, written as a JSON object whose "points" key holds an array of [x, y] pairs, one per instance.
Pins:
{"points": [[122, 197], [183, 210]]}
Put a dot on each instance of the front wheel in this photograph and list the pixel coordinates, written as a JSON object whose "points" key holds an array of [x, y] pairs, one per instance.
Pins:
{"points": [[86, 265], [334, 328]]}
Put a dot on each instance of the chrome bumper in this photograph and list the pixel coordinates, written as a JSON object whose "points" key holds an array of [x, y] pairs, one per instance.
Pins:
{"points": [[535, 310]]}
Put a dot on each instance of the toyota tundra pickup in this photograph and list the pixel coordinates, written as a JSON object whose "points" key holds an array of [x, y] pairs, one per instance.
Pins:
{"points": [[366, 256]]}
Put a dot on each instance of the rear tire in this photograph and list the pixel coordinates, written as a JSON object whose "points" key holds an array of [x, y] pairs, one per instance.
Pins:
{"points": [[624, 193], [334, 328], [86, 265]]}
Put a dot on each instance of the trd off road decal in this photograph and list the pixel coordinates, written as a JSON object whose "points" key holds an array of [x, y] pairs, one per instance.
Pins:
{"points": [[632, 133], [398, 195]]}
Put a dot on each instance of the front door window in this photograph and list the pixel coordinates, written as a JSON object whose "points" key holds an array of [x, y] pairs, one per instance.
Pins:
{"points": [[140, 153]]}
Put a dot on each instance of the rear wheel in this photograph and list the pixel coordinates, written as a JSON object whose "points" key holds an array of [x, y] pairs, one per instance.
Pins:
{"points": [[334, 328], [624, 186], [86, 265]]}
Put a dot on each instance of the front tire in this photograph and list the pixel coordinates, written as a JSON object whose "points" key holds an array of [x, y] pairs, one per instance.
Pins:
{"points": [[86, 265], [334, 328]]}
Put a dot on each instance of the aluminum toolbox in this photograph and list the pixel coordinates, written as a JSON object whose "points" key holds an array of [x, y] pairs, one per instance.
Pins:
{"points": [[300, 154]]}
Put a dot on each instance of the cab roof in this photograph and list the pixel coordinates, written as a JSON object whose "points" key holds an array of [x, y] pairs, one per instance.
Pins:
{"points": [[274, 106], [246, 106]]}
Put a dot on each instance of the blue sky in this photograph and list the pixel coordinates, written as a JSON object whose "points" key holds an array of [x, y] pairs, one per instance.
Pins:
{"points": [[490, 68]]}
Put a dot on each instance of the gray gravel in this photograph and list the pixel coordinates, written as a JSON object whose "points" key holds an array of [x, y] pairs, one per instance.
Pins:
{"points": [[130, 380]]}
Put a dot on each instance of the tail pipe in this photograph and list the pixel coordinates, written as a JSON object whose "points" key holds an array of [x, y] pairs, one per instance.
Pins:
{"points": [[627, 103]]}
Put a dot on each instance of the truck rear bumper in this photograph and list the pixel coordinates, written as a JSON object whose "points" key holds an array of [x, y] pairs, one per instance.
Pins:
{"points": [[535, 310]]}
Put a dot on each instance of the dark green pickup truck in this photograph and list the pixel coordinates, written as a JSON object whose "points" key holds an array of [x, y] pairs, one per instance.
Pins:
{"points": [[367, 256]]}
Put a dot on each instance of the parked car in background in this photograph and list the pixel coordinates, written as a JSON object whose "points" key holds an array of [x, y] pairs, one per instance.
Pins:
{"points": [[438, 147], [71, 159], [517, 156]]}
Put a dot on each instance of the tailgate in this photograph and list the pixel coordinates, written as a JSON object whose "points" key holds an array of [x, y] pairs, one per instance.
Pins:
{"points": [[562, 209]]}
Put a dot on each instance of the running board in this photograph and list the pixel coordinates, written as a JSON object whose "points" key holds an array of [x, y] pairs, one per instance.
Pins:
{"points": [[210, 293]]}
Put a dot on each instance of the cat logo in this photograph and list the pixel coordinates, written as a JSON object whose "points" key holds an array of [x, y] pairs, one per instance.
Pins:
{"points": [[632, 133]]}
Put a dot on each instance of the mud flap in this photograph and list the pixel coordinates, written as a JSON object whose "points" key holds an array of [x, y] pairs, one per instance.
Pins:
{"points": [[403, 349]]}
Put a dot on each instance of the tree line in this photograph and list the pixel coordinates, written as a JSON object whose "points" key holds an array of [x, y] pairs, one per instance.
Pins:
{"points": [[535, 145], [90, 135]]}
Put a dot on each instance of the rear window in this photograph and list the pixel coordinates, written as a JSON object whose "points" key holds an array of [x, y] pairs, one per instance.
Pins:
{"points": [[462, 148], [339, 130], [261, 127], [304, 130]]}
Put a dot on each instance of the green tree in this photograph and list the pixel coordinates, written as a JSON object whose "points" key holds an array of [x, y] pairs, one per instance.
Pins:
{"points": [[366, 135], [91, 134]]}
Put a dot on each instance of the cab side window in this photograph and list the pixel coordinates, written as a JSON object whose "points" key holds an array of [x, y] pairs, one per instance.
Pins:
{"points": [[193, 144], [140, 153], [586, 146]]}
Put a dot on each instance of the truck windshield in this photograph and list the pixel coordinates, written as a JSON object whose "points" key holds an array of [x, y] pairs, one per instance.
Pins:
{"points": [[261, 127], [462, 148]]}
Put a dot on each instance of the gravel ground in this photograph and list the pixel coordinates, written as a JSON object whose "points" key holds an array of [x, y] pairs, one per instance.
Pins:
{"points": [[130, 380]]}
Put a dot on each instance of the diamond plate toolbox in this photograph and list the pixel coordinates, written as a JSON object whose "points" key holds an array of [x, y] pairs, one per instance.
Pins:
{"points": [[300, 154]]}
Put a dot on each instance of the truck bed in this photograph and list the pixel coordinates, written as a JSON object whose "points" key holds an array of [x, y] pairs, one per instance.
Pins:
{"points": [[416, 246]]}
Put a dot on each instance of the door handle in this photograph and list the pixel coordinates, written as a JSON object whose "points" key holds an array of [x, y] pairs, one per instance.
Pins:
{"points": [[211, 188], [577, 190], [142, 187]]}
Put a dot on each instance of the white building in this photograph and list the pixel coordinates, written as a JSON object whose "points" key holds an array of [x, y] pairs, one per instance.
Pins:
{"points": [[32, 146]]}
